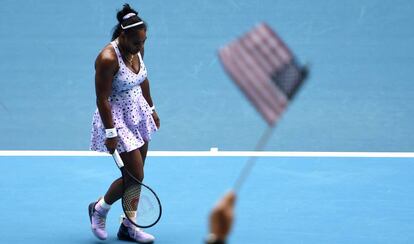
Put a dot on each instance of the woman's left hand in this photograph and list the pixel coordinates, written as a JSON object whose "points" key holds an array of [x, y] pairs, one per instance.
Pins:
{"points": [[156, 119]]}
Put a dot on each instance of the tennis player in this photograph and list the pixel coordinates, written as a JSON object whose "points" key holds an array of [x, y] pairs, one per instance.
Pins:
{"points": [[125, 117]]}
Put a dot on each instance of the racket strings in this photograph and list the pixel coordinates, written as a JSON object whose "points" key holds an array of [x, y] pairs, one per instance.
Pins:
{"points": [[141, 206], [131, 199]]}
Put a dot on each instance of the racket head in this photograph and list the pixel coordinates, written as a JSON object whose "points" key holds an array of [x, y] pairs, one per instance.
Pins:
{"points": [[141, 205]]}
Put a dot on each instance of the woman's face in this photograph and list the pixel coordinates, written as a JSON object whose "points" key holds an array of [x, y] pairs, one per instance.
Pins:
{"points": [[134, 41]]}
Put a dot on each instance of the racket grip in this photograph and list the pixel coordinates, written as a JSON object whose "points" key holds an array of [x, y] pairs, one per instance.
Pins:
{"points": [[118, 159]]}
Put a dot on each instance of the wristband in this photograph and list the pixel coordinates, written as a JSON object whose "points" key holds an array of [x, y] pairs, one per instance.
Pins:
{"points": [[110, 133], [152, 109]]}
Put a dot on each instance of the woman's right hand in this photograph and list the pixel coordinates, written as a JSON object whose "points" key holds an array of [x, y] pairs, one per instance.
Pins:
{"points": [[111, 144]]}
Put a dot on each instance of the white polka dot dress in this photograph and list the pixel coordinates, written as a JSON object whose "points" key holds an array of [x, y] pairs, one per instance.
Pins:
{"points": [[131, 113]]}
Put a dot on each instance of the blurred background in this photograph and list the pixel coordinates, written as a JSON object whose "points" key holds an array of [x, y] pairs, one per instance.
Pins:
{"points": [[359, 97]]}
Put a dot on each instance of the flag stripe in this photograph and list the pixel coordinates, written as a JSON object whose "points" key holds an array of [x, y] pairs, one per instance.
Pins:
{"points": [[258, 40], [249, 84], [263, 84], [259, 57], [265, 70], [268, 51], [276, 44], [239, 78], [257, 53]]}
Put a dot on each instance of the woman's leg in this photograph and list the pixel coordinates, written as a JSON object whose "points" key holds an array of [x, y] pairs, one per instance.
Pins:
{"points": [[144, 150], [127, 231], [134, 164]]}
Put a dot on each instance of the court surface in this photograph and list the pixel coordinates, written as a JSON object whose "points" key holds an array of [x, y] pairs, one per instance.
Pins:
{"points": [[359, 98], [286, 199]]}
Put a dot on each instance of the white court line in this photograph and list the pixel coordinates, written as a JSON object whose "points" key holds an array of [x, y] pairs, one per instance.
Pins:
{"points": [[214, 152]]}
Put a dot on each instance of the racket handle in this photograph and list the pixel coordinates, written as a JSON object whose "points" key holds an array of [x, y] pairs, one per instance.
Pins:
{"points": [[118, 159]]}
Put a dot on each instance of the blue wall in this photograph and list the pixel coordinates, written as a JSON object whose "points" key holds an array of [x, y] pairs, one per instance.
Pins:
{"points": [[359, 96]]}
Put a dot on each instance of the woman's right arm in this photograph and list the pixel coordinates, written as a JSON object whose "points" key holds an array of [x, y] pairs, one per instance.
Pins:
{"points": [[106, 66]]}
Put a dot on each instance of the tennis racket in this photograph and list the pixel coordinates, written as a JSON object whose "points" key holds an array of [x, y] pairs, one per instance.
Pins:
{"points": [[140, 203]]}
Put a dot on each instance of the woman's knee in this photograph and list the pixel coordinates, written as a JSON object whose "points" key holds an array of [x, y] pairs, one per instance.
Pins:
{"points": [[130, 178], [140, 175], [134, 165]]}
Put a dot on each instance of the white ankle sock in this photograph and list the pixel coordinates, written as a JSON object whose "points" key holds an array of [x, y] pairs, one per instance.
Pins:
{"points": [[102, 206], [127, 223]]}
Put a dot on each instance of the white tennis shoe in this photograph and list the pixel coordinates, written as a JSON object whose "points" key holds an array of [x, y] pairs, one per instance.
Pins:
{"points": [[135, 234], [98, 221]]}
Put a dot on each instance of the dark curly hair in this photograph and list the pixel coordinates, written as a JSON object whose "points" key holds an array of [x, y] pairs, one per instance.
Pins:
{"points": [[129, 21]]}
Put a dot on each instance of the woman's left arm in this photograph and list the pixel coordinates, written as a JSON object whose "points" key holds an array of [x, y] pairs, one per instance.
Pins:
{"points": [[145, 87], [147, 95]]}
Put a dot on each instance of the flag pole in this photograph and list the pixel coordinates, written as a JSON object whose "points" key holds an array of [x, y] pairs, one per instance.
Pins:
{"points": [[252, 159]]}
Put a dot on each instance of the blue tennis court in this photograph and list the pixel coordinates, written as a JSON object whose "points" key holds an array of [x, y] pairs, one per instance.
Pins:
{"points": [[285, 200]]}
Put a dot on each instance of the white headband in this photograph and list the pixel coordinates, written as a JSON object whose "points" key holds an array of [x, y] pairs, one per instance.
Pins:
{"points": [[132, 25], [127, 16]]}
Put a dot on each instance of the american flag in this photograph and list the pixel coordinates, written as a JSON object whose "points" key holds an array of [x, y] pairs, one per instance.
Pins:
{"points": [[265, 70]]}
